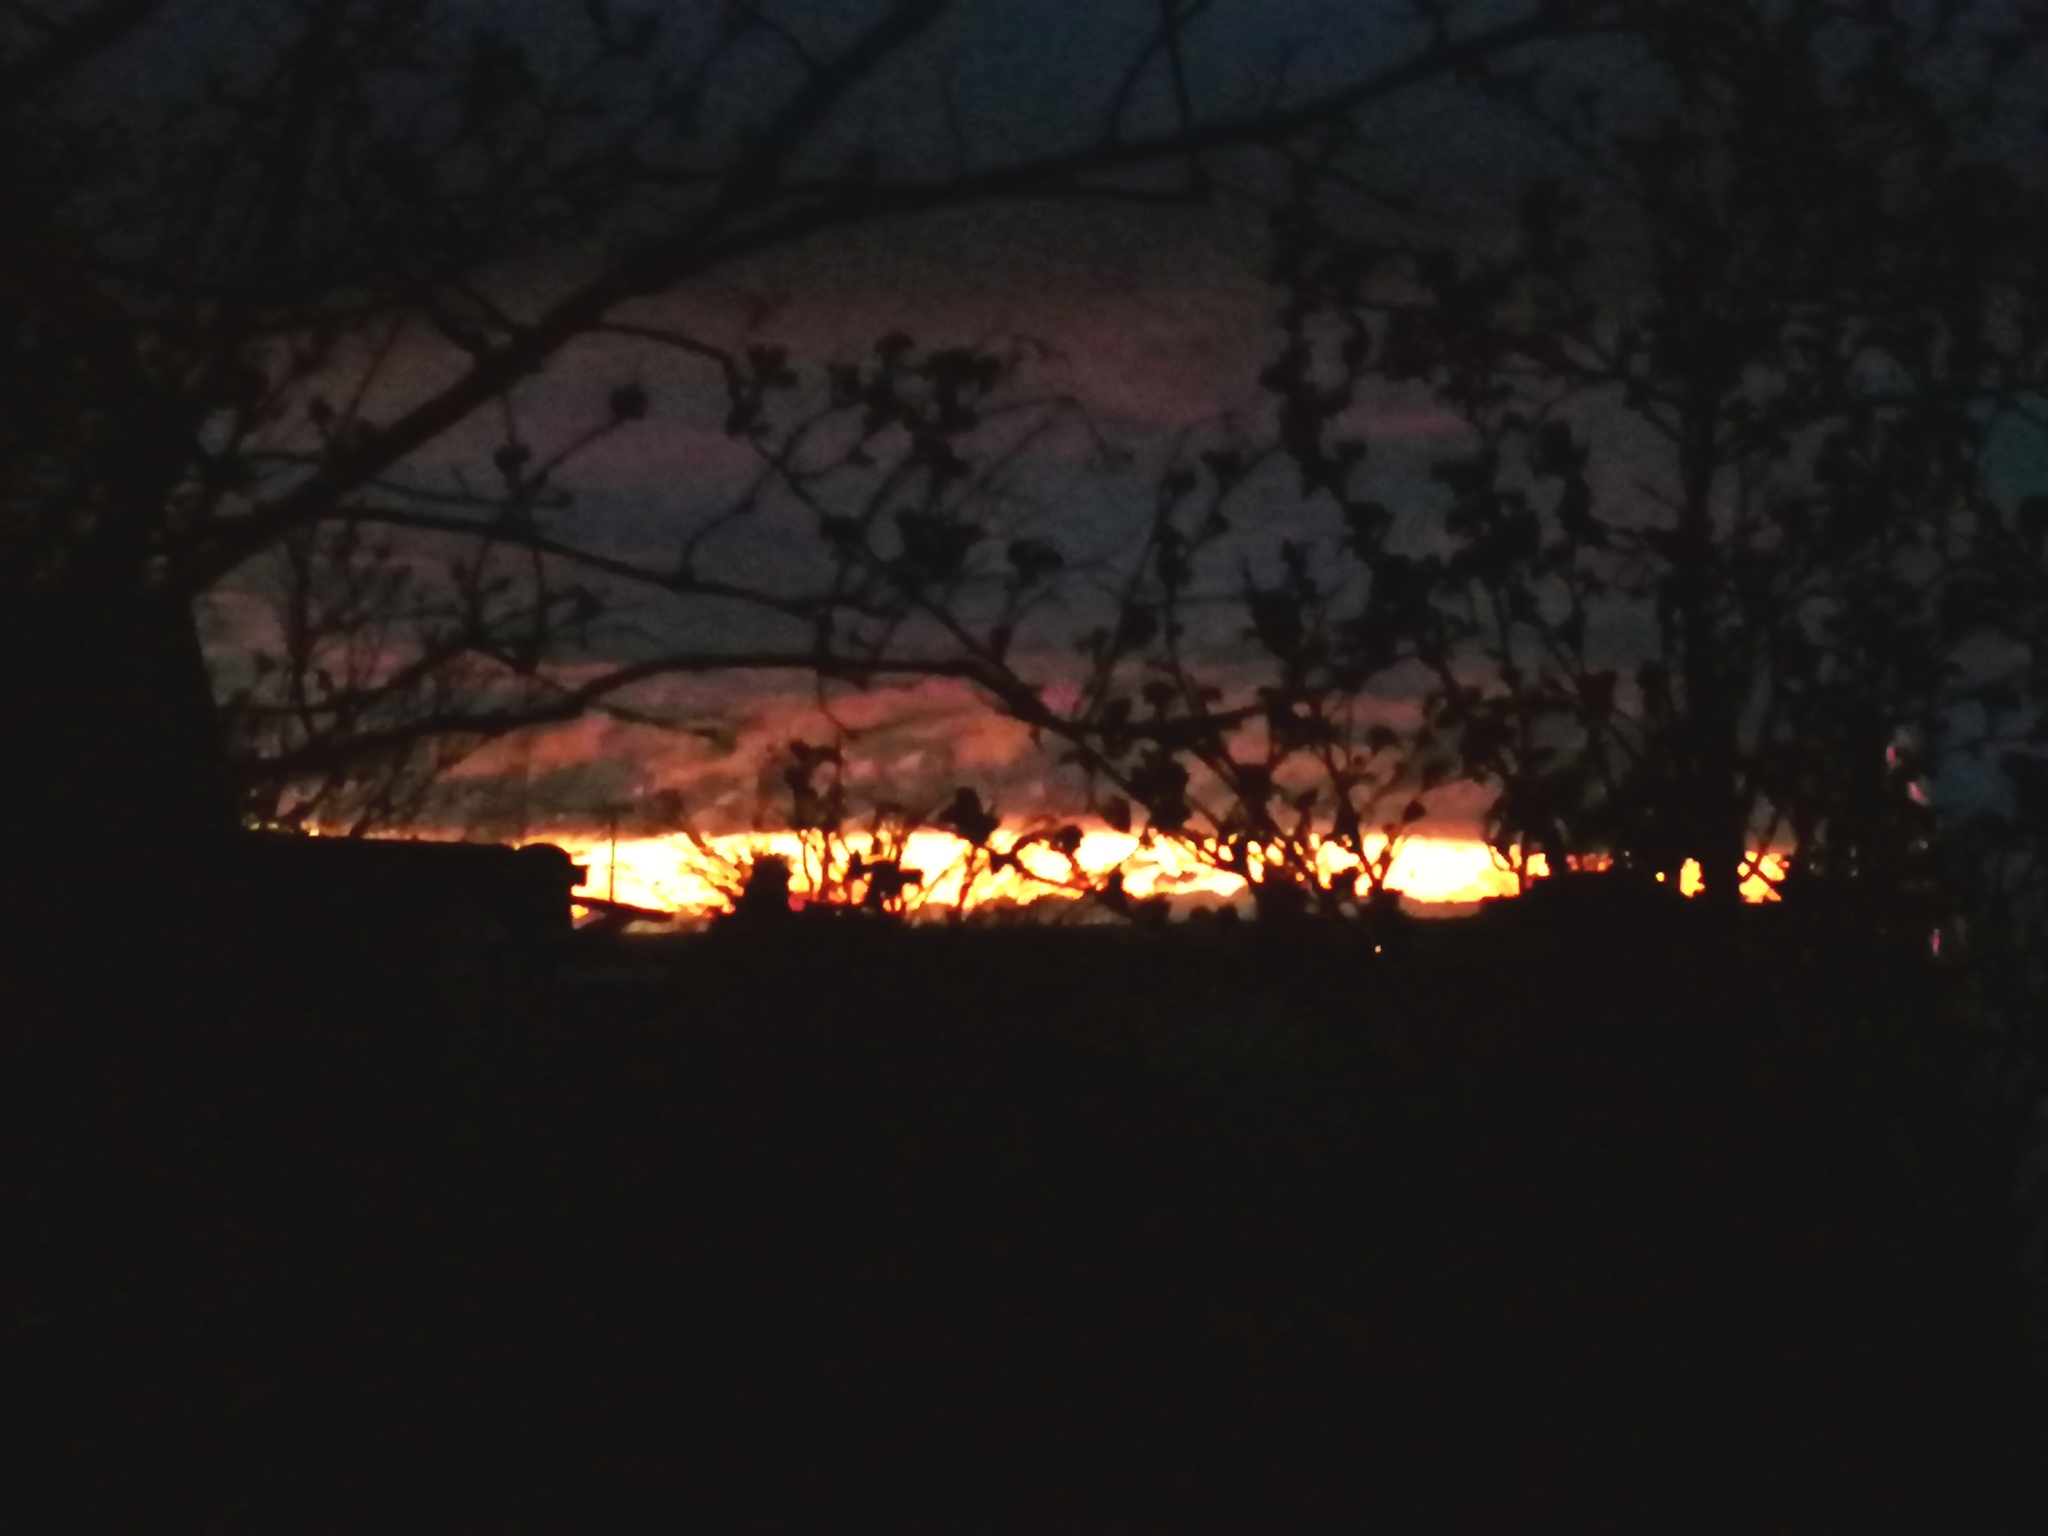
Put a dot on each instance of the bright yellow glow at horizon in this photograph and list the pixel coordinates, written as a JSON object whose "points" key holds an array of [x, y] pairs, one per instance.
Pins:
{"points": [[668, 874]]}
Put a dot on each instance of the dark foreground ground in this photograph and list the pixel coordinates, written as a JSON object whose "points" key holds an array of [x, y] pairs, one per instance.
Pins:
{"points": [[1010, 1231]]}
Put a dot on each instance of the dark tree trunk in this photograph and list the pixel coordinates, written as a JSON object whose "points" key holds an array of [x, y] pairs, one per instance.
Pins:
{"points": [[1713, 816], [118, 786]]}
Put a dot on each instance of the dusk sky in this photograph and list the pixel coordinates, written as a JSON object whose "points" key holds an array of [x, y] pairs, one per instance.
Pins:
{"points": [[1153, 320], [1025, 765]]}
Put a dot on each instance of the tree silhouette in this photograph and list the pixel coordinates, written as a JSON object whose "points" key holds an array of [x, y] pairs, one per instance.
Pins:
{"points": [[291, 297], [1735, 549], [1726, 554], [1275, 748]]}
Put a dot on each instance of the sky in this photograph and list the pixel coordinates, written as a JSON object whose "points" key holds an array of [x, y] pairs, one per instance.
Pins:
{"points": [[1155, 324], [1437, 876], [1154, 320]]}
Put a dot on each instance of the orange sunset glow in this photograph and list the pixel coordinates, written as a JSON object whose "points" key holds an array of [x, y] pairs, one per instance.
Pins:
{"points": [[671, 874], [916, 739]]}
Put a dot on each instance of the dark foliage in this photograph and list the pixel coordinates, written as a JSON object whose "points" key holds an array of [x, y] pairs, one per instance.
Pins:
{"points": [[1732, 551], [1018, 1229], [283, 282]]}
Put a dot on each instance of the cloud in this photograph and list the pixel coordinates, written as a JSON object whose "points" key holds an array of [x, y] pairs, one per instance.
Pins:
{"points": [[1156, 320], [914, 743]]}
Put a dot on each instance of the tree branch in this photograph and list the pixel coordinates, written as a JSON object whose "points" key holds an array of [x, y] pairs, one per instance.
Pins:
{"points": [[751, 181]]}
